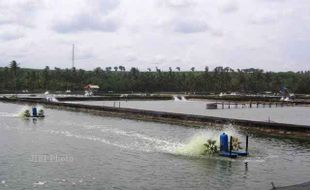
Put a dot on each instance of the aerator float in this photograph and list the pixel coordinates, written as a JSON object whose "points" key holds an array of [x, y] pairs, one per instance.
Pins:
{"points": [[230, 149], [34, 114]]}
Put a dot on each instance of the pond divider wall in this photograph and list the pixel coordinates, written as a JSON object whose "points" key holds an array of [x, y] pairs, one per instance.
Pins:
{"points": [[109, 98], [181, 117]]}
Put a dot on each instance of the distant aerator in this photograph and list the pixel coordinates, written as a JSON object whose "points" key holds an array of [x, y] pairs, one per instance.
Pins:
{"points": [[35, 113]]}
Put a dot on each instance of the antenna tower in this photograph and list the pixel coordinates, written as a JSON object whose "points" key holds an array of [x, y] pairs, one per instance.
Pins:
{"points": [[73, 58]]}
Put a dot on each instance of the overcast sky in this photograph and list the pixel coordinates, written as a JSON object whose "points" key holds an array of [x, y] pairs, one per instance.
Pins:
{"points": [[268, 34]]}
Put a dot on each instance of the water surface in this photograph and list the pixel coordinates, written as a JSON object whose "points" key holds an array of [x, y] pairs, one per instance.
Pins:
{"points": [[95, 152], [292, 115]]}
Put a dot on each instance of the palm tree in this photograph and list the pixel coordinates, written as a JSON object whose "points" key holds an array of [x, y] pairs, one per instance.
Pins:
{"points": [[45, 77], [178, 68], [149, 69], [98, 70], [115, 68], [108, 69], [157, 70], [14, 68], [121, 68], [193, 69]]}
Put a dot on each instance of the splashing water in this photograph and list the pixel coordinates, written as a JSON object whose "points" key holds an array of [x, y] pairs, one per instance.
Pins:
{"points": [[195, 146], [20, 113]]}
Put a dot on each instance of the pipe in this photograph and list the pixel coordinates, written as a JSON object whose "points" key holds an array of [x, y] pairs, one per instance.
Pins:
{"points": [[230, 144], [247, 144]]}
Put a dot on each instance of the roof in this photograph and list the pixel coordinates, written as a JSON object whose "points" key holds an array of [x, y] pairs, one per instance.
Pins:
{"points": [[92, 86]]}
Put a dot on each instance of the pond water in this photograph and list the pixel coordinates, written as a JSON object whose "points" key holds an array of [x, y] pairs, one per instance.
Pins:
{"points": [[292, 115], [75, 150]]}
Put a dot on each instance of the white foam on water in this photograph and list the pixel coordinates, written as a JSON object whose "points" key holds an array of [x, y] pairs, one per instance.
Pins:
{"points": [[7, 114], [95, 126], [183, 98], [19, 113], [179, 98], [137, 136], [176, 98], [148, 142], [39, 183], [138, 141], [87, 137]]}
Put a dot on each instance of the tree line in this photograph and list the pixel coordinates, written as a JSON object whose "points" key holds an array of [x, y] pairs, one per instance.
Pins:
{"points": [[119, 79]]}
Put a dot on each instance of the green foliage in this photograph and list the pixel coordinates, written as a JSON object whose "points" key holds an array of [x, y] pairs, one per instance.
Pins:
{"points": [[119, 80]]}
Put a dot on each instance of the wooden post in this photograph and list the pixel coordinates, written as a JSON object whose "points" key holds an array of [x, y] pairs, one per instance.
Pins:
{"points": [[250, 104], [222, 105], [228, 105], [236, 105], [257, 104]]}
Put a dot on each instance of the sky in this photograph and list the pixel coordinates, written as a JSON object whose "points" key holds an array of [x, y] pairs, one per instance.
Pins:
{"points": [[273, 35]]}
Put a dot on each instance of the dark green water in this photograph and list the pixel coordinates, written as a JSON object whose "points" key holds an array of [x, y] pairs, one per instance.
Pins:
{"points": [[71, 150]]}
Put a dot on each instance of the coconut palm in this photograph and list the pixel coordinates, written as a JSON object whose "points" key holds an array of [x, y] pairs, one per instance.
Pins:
{"points": [[14, 67]]}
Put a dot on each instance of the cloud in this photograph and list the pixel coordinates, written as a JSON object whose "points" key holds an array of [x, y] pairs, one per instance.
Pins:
{"points": [[84, 53], [87, 23], [229, 7], [131, 57], [179, 3], [158, 59], [103, 6], [163, 33], [187, 26], [95, 15], [265, 17], [20, 13], [9, 36]]}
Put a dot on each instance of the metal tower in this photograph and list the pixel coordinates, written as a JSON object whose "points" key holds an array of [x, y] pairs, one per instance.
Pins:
{"points": [[73, 58]]}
